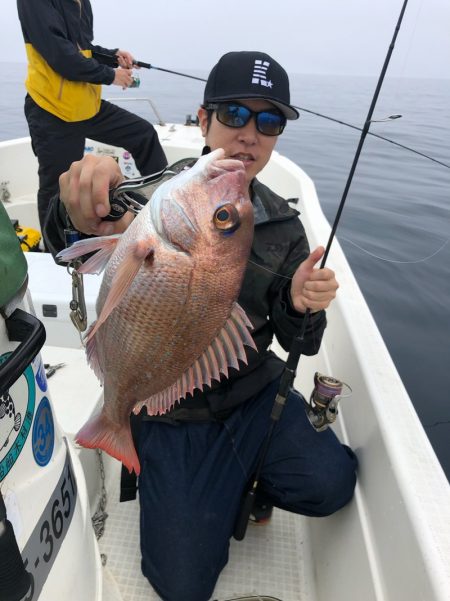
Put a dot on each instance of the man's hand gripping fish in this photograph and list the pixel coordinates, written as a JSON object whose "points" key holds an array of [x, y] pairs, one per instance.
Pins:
{"points": [[168, 321]]}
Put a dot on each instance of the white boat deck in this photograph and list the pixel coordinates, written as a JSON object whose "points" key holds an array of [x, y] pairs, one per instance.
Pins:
{"points": [[272, 560]]}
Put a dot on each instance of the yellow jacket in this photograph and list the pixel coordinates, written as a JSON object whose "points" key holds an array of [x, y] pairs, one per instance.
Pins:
{"points": [[63, 78]]}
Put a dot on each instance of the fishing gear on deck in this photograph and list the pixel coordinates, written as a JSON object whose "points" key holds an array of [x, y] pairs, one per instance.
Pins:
{"points": [[50, 370], [29, 238], [296, 350]]}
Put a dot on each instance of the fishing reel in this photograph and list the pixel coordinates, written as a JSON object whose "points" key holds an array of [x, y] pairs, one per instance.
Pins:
{"points": [[322, 408]]}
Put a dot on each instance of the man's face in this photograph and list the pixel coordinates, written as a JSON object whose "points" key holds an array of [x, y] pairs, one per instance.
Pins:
{"points": [[246, 143]]}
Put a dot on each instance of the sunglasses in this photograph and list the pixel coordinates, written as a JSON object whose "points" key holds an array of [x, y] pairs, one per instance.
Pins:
{"points": [[269, 122]]}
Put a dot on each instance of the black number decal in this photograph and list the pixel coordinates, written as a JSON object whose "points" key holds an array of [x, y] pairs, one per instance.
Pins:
{"points": [[48, 539], [57, 519], [65, 498], [69, 475]]}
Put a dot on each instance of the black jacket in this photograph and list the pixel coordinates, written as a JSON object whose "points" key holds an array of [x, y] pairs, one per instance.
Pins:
{"points": [[63, 77], [58, 30]]}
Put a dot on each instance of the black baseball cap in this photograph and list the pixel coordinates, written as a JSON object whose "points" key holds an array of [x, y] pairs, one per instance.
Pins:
{"points": [[246, 74]]}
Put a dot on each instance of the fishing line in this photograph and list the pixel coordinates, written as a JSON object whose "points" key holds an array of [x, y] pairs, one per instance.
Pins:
{"points": [[364, 250], [367, 252], [408, 52], [405, 59], [412, 38], [280, 275]]}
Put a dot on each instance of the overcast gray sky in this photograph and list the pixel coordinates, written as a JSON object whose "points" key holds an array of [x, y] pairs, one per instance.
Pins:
{"points": [[306, 36]]}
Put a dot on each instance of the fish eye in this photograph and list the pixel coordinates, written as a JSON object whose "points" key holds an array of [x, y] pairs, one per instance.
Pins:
{"points": [[226, 218]]}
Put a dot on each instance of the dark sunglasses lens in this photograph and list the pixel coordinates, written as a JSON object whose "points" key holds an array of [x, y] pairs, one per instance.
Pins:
{"points": [[270, 124], [233, 115]]}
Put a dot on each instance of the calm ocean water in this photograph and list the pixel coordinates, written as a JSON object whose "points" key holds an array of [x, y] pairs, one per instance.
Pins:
{"points": [[398, 207]]}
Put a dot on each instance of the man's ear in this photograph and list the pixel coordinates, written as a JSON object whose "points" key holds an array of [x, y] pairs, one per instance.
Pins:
{"points": [[203, 120]]}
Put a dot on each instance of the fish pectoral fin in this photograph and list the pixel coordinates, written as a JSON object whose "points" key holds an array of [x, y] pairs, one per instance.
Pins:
{"points": [[224, 351], [104, 244], [92, 354], [122, 280]]}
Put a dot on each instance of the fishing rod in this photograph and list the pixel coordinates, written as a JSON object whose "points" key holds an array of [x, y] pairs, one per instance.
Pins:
{"points": [[113, 62], [296, 350]]}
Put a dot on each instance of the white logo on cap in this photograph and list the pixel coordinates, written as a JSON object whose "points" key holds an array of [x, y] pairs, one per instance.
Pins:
{"points": [[260, 73]]}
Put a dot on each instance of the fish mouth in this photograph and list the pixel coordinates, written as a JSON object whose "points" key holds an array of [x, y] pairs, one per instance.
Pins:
{"points": [[225, 166], [219, 164], [228, 170]]}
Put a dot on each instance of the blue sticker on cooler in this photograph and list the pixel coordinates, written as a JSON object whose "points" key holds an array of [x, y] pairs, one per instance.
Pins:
{"points": [[43, 439], [16, 416], [41, 378]]}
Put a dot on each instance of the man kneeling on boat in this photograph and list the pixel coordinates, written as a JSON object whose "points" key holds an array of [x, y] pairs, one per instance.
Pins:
{"points": [[196, 460]]}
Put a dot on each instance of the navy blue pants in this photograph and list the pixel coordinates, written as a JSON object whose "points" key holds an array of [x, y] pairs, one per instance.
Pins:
{"points": [[194, 474], [57, 143]]}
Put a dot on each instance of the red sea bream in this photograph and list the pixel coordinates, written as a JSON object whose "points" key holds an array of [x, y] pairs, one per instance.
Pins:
{"points": [[168, 321]]}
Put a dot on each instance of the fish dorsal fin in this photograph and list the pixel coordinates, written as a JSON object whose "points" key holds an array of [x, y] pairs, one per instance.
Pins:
{"points": [[133, 258], [105, 245], [223, 352]]}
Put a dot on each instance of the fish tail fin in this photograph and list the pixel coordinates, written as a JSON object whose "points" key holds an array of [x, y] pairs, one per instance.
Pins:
{"points": [[101, 433]]}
